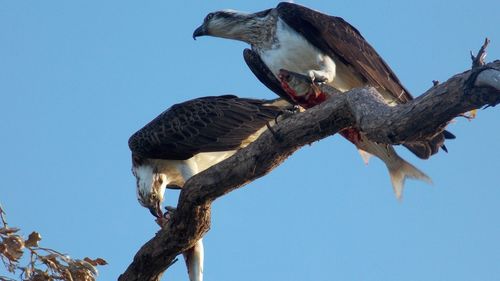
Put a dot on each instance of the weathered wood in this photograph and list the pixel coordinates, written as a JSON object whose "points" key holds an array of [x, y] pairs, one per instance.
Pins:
{"points": [[361, 108], [478, 60]]}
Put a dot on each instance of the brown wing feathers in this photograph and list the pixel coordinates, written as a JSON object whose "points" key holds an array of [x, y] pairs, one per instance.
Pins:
{"points": [[342, 41], [201, 125]]}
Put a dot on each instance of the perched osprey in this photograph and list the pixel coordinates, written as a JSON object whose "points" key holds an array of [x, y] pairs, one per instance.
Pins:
{"points": [[188, 138], [325, 48]]}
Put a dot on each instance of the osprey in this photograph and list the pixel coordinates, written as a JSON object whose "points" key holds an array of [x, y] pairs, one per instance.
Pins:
{"points": [[328, 50], [187, 139]]}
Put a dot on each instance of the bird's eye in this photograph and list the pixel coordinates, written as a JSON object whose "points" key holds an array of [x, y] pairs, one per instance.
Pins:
{"points": [[209, 16]]}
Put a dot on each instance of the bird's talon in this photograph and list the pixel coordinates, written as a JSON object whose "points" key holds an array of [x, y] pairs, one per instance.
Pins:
{"points": [[169, 212], [276, 135], [319, 81], [286, 113], [165, 218]]}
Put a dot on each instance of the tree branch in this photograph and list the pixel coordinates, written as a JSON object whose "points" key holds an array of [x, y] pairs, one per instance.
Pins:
{"points": [[361, 108], [478, 60]]}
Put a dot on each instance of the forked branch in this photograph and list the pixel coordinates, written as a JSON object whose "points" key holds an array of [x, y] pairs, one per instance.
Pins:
{"points": [[361, 108]]}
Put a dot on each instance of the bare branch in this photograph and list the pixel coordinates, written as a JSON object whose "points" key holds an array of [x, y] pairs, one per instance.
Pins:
{"points": [[361, 108], [2, 216], [478, 60]]}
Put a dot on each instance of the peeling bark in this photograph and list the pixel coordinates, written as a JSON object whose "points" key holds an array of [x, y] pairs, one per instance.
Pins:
{"points": [[360, 108]]}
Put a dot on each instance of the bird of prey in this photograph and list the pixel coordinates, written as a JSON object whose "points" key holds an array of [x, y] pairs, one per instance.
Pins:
{"points": [[187, 139], [328, 50]]}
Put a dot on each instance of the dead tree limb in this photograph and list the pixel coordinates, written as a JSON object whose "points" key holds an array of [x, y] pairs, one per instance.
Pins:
{"points": [[360, 108], [478, 60]]}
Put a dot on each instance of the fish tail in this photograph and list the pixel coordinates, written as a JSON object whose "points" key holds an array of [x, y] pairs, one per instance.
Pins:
{"points": [[400, 171]]}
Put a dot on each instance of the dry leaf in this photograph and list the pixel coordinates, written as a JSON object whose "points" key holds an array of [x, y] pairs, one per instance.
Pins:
{"points": [[50, 263], [33, 239], [95, 262], [81, 274], [14, 245], [8, 230], [40, 276], [66, 274], [91, 261], [45, 264], [101, 261]]}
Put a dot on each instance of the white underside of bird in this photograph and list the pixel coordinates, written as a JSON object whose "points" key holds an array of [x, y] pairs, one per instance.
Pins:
{"points": [[177, 172], [174, 173], [294, 53]]}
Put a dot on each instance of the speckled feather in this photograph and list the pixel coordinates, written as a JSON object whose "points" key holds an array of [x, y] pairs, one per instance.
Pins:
{"points": [[208, 124]]}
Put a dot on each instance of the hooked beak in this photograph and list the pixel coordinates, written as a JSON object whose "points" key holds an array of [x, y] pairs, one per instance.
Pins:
{"points": [[200, 31], [156, 210]]}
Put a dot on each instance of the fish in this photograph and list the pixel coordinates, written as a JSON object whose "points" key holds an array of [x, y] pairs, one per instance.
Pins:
{"points": [[307, 94]]}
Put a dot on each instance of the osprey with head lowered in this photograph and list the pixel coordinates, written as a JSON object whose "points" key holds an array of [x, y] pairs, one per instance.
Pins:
{"points": [[325, 48], [187, 139]]}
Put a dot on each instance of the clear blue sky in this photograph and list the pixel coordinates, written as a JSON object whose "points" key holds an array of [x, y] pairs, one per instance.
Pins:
{"points": [[78, 78]]}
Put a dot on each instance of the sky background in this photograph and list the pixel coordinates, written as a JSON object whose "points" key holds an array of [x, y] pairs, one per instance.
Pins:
{"points": [[78, 78]]}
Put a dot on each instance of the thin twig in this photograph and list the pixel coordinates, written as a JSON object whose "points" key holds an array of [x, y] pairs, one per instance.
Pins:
{"points": [[61, 255], [478, 61], [6, 265], [2, 216]]}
